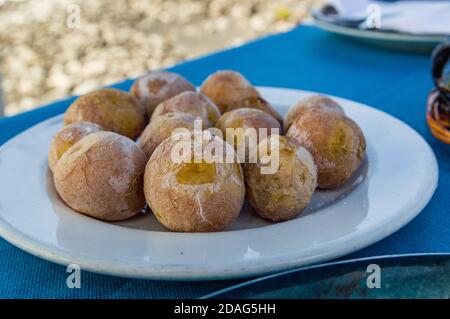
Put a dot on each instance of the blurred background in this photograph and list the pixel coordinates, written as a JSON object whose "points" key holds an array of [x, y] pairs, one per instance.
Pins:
{"points": [[43, 60]]}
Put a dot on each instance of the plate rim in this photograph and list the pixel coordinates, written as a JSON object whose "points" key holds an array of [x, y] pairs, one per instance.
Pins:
{"points": [[371, 259], [379, 35], [253, 268]]}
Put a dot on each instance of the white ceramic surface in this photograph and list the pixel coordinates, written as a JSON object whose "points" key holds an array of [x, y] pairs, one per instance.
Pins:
{"points": [[395, 182], [404, 41]]}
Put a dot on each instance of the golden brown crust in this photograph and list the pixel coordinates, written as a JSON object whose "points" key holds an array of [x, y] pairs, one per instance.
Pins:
{"points": [[286, 193], [66, 137], [193, 103], [114, 110], [156, 87], [335, 141], [161, 128], [226, 88], [101, 175], [194, 197], [319, 101], [245, 118]]}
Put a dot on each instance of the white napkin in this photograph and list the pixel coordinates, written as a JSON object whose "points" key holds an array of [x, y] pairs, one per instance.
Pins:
{"points": [[417, 17]]}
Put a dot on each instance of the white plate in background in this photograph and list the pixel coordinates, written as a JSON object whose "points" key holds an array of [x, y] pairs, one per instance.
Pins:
{"points": [[393, 40]]}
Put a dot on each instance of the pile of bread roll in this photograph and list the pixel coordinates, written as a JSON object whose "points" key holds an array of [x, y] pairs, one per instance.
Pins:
{"points": [[112, 158]]}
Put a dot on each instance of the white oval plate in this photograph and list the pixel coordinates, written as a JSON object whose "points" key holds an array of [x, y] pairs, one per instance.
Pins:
{"points": [[394, 184]]}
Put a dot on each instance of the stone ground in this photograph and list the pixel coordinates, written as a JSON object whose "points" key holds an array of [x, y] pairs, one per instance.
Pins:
{"points": [[42, 59]]}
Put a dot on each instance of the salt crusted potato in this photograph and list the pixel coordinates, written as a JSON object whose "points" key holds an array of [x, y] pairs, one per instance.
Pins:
{"points": [[158, 86], [255, 102], [194, 197], [285, 193], [162, 127], [66, 137], [317, 100], [227, 88], [114, 110], [335, 141], [101, 175], [193, 103], [246, 118]]}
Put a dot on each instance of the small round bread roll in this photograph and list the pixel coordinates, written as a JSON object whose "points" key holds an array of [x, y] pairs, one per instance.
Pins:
{"points": [[335, 141], [101, 175], [158, 86], [114, 110], [162, 127], [194, 197], [258, 103], [194, 103], [317, 100], [66, 137], [244, 119], [284, 193], [226, 88]]}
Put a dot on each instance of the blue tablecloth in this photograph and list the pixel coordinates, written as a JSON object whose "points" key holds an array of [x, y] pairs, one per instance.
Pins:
{"points": [[305, 58]]}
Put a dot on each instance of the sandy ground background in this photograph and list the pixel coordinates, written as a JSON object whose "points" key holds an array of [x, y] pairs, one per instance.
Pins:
{"points": [[42, 59]]}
